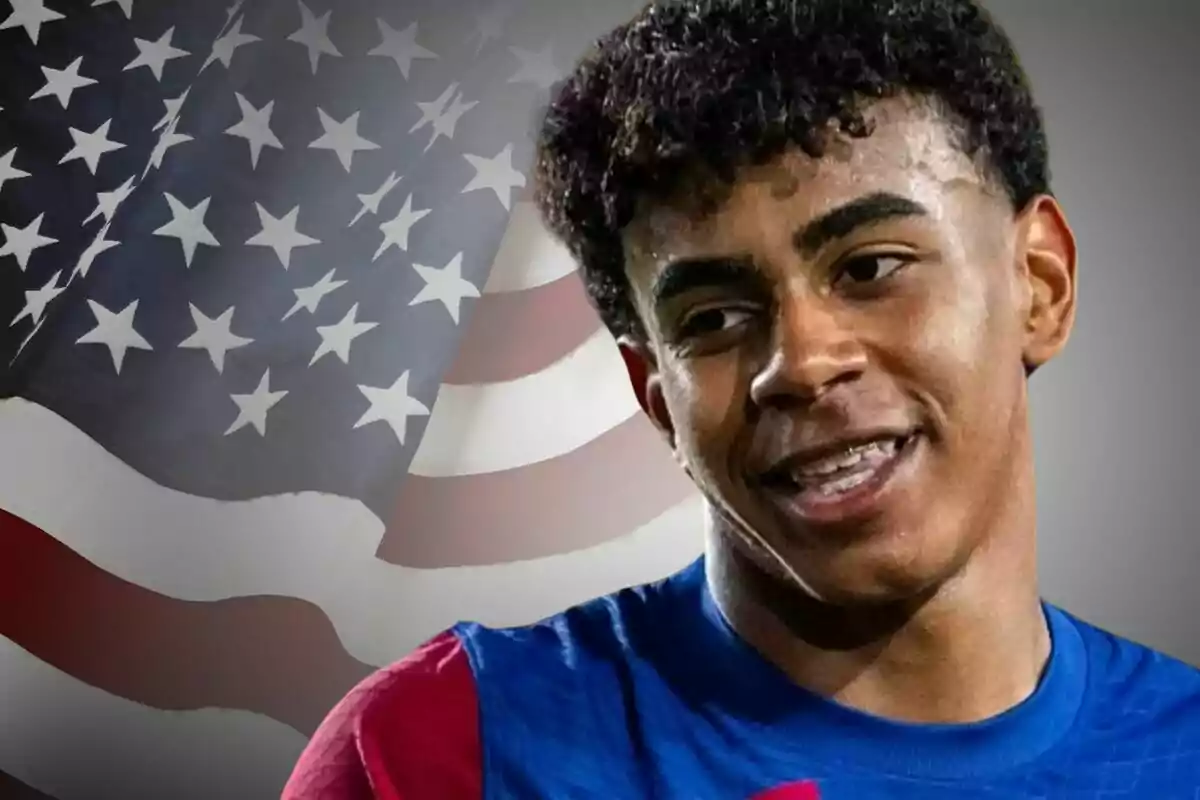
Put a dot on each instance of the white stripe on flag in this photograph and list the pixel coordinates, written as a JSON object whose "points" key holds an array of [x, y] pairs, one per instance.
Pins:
{"points": [[476, 429], [528, 256], [318, 548]]}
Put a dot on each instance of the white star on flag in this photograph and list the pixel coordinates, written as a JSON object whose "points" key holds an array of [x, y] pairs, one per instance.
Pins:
{"points": [[115, 331], [91, 147], [173, 108], [337, 338], [224, 47], [280, 234], [308, 298], [214, 336], [342, 138], [62, 83], [443, 120], [392, 405], [255, 128], [314, 35], [108, 202], [93, 251], [447, 122], [21, 242], [431, 110], [126, 6], [537, 67], [166, 140], [187, 225], [445, 285], [156, 54], [30, 15], [253, 408], [396, 231], [7, 171], [496, 173], [370, 202], [36, 300], [401, 46]]}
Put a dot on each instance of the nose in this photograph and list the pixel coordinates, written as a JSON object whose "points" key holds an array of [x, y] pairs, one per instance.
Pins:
{"points": [[812, 349]]}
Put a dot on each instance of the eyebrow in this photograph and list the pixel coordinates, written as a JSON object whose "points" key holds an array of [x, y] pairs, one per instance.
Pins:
{"points": [[683, 275], [845, 219]]}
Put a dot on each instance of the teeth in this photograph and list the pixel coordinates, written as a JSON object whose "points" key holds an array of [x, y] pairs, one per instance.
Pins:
{"points": [[874, 454], [845, 484]]}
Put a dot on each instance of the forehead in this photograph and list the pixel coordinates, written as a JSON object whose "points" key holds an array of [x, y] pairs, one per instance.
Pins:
{"points": [[910, 152]]}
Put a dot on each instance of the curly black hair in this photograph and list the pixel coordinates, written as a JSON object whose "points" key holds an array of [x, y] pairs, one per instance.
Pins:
{"points": [[707, 86]]}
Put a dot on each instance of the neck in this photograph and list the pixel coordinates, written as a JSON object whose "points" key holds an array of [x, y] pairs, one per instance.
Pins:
{"points": [[971, 648]]}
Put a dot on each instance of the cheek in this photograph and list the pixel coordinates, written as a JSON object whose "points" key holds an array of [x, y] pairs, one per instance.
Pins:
{"points": [[950, 332], [963, 338], [706, 399]]}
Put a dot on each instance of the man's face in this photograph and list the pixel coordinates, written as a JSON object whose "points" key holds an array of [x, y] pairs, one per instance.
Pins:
{"points": [[837, 353]]}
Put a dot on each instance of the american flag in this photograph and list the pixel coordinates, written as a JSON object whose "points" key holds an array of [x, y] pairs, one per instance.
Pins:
{"points": [[294, 378]]}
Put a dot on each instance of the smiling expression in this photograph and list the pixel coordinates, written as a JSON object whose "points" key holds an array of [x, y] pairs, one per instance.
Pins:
{"points": [[837, 351]]}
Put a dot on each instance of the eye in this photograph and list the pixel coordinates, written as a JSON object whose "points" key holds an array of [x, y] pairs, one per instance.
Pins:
{"points": [[869, 268], [708, 321]]}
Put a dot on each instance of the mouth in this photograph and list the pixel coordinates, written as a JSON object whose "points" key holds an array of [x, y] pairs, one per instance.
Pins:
{"points": [[846, 482]]}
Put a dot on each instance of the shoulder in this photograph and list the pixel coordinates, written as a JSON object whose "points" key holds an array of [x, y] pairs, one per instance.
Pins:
{"points": [[1139, 685], [424, 727], [409, 731], [629, 624]]}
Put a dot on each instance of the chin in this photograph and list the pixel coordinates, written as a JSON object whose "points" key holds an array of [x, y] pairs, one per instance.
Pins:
{"points": [[875, 571], [895, 557], [872, 591]]}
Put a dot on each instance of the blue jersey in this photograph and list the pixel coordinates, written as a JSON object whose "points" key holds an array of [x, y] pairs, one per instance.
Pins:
{"points": [[647, 693]]}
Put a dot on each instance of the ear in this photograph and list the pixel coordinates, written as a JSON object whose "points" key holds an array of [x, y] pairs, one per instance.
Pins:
{"points": [[1048, 261], [641, 364]]}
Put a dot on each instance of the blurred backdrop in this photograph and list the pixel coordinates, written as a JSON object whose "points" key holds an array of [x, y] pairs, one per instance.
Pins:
{"points": [[294, 379]]}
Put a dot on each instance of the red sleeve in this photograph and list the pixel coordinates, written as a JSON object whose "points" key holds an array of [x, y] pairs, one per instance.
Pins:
{"points": [[407, 732]]}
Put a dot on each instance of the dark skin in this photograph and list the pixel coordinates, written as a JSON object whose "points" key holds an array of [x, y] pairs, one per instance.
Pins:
{"points": [[888, 285]]}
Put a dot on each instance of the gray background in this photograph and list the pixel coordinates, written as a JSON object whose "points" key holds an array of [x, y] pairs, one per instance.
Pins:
{"points": [[1114, 422]]}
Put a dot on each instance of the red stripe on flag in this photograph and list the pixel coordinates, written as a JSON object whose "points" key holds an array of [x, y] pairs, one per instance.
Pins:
{"points": [[13, 789], [513, 334], [277, 656], [615, 483]]}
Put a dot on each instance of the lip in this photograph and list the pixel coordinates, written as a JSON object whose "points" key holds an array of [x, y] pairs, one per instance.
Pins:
{"points": [[857, 504]]}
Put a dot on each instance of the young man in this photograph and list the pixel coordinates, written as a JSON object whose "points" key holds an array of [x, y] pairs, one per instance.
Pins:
{"points": [[823, 234]]}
